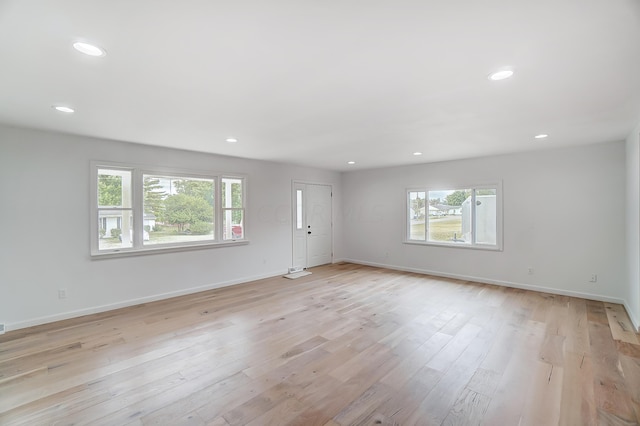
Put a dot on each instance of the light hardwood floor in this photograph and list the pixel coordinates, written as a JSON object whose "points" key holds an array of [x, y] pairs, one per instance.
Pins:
{"points": [[347, 345]]}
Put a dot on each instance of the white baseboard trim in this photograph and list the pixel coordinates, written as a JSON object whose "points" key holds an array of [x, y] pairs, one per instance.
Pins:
{"points": [[132, 302], [162, 296], [634, 320], [542, 289]]}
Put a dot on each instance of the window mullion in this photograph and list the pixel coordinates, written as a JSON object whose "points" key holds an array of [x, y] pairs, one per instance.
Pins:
{"points": [[426, 215], [217, 209], [473, 216], [138, 213]]}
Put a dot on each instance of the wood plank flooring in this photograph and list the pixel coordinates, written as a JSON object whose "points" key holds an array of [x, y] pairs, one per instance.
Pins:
{"points": [[347, 345]]}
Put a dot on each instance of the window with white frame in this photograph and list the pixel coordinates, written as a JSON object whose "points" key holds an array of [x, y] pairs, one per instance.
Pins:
{"points": [[465, 216], [139, 209], [232, 208]]}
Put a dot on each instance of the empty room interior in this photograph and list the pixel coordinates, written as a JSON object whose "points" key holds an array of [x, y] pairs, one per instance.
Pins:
{"points": [[320, 213]]}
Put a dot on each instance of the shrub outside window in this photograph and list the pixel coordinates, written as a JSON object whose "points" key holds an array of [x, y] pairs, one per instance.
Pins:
{"points": [[468, 216]]}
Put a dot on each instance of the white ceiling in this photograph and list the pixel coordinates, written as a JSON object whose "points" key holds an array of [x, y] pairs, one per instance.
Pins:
{"points": [[319, 83]]}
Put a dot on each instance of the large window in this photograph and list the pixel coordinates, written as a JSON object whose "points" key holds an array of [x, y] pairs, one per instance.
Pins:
{"points": [[135, 209], [462, 216]]}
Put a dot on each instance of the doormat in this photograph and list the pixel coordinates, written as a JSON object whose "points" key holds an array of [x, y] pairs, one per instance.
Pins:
{"points": [[295, 275]]}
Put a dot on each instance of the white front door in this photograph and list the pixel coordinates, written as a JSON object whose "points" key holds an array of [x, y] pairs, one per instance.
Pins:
{"points": [[312, 231]]}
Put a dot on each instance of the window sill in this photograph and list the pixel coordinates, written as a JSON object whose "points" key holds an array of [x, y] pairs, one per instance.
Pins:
{"points": [[454, 245], [164, 249]]}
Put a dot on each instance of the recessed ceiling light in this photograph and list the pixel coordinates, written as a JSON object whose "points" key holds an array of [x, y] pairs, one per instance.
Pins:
{"points": [[541, 136], [231, 140], [63, 109], [417, 153], [500, 75], [351, 162], [89, 49]]}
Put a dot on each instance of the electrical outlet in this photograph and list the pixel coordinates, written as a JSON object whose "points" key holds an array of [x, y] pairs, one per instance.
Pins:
{"points": [[62, 293], [530, 271], [594, 278]]}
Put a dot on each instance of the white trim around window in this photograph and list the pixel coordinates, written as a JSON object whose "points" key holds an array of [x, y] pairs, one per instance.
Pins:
{"points": [[464, 216], [138, 209]]}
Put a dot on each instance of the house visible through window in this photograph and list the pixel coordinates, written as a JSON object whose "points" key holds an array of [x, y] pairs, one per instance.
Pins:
{"points": [[137, 209], [464, 216], [115, 208]]}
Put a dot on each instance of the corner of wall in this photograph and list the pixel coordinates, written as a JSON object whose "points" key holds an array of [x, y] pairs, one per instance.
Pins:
{"points": [[634, 319], [632, 302]]}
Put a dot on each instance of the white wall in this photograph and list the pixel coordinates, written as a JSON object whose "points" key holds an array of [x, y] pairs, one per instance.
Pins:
{"points": [[564, 216], [633, 225], [44, 185]]}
